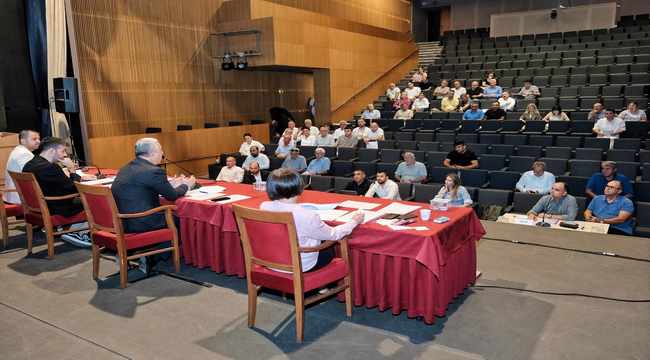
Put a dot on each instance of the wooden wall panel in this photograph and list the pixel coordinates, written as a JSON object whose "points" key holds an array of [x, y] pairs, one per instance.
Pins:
{"points": [[147, 63]]}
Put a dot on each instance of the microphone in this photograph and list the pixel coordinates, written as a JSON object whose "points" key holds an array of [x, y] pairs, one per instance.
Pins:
{"points": [[170, 161], [543, 223], [98, 174]]}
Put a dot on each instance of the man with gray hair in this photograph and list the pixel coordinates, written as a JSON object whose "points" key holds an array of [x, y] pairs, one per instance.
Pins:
{"points": [[231, 172], [319, 165], [19, 156], [140, 183], [536, 181], [410, 171]]}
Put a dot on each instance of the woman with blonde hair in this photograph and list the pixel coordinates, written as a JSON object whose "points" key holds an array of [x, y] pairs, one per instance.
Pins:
{"points": [[453, 191], [531, 113]]}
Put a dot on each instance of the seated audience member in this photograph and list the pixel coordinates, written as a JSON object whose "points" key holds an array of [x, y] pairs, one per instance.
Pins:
{"points": [[295, 161], [19, 156], [283, 188], [453, 191], [472, 94], [613, 209], [341, 130], [633, 113], [312, 129], [324, 138], [412, 91], [347, 140], [244, 149], [140, 183], [506, 102], [495, 112], [609, 126], [598, 181], [320, 165], [529, 91], [402, 101], [410, 171], [285, 144], [370, 113], [419, 79], [359, 183], [306, 138], [556, 205], [536, 181], [459, 90], [374, 135], [450, 102], [556, 114], [596, 112], [393, 92], [256, 156], [231, 172], [461, 157], [384, 188], [490, 75], [253, 174], [473, 113], [404, 113], [421, 103], [291, 127], [361, 131], [531, 114], [441, 90], [54, 182], [492, 90]]}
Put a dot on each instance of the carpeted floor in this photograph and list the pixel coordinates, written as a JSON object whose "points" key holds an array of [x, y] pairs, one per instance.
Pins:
{"points": [[52, 309]]}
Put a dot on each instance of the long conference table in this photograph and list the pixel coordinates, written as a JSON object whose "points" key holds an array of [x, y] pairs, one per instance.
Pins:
{"points": [[420, 271]]}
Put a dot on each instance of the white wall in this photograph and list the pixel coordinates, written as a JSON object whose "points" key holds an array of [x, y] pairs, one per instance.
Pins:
{"points": [[472, 14]]}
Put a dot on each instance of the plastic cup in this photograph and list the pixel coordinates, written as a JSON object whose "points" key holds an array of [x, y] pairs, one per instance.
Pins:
{"points": [[425, 214]]}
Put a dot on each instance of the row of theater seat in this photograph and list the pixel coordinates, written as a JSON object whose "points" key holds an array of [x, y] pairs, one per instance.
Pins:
{"points": [[620, 55], [623, 27]]}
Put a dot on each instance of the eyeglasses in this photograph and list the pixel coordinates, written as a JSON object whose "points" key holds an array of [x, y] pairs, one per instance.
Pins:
{"points": [[613, 187]]}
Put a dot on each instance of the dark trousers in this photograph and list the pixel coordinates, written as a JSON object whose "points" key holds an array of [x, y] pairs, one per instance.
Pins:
{"points": [[324, 257], [615, 231]]}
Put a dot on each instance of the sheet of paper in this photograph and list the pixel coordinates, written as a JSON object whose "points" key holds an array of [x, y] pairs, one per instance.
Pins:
{"points": [[400, 227], [358, 205], [196, 195], [211, 189], [397, 208], [233, 198], [312, 206], [368, 216], [103, 181], [386, 222], [331, 215]]}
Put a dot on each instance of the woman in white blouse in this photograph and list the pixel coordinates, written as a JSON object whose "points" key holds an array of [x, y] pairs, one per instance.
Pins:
{"points": [[556, 114], [633, 113]]}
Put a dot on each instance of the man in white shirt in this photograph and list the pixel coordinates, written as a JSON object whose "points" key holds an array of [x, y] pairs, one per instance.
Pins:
{"points": [[255, 156], [404, 113], [421, 103], [371, 113], [529, 91], [393, 92], [375, 134], [324, 138], [312, 129], [19, 156], [384, 188], [506, 102], [306, 138], [244, 149], [341, 130], [459, 90], [291, 127], [231, 172], [536, 181], [609, 126], [412, 91], [361, 131]]}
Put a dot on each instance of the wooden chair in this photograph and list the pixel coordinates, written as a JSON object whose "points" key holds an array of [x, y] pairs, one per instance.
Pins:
{"points": [[270, 241], [38, 214], [7, 211], [107, 231]]}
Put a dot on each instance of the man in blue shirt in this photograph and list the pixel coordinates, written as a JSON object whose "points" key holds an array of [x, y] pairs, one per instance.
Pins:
{"points": [[410, 171], [492, 90], [295, 161], [473, 113], [612, 209], [320, 165], [536, 181], [598, 181]]}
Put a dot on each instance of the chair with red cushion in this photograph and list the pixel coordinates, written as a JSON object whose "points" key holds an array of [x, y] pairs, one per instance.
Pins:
{"points": [[38, 214], [270, 241], [7, 211], [107, 231]]}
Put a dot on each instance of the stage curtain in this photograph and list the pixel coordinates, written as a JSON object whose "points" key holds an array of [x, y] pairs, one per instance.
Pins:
{"points": [[37, 42], [56, 61]]}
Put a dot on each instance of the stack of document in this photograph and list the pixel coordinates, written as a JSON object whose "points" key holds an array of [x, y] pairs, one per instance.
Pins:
{"points": [[206, 192]]}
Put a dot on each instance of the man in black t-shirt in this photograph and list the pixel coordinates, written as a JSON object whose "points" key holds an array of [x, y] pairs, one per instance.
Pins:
{"points": [[474, 92], [359, 184], [461, 158], [495, 112]]}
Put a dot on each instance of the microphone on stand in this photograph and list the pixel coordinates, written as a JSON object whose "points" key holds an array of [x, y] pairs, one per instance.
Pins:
{"points": [[98, 174], [170, 161], [543, 223]]}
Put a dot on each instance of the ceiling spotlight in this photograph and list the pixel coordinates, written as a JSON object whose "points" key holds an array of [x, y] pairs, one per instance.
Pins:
{"points": [[242, 63], [227, 63]]}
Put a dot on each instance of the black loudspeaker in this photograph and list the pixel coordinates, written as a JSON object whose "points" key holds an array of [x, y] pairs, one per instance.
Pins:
{"points": [[65, 95]]}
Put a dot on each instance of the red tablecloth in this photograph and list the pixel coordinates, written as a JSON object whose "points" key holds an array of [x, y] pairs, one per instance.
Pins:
{"points": [[417, 271]]}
